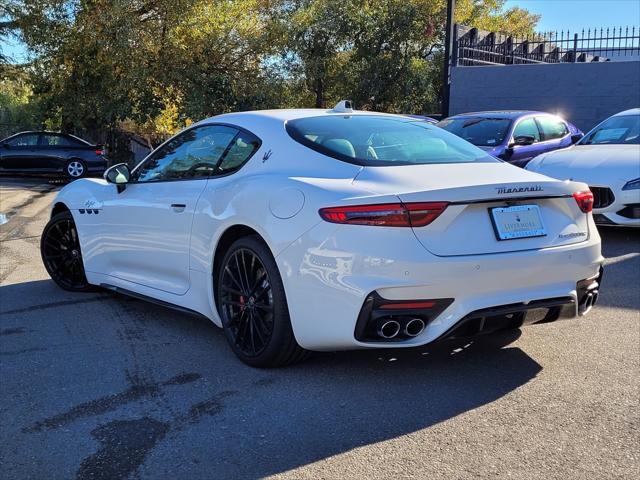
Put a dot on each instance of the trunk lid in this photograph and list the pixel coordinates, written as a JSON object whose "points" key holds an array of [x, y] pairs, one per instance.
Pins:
{"points": [[467, 226]]}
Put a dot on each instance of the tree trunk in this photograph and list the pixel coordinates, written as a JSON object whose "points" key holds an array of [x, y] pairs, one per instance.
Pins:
{"points": [[319, 93]]}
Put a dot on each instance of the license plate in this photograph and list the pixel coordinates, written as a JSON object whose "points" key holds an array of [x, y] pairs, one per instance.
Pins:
{"points": [[521, 221]]}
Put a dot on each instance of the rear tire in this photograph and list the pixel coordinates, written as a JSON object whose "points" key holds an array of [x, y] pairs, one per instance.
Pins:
{"points": [[61, 254], [253, 307], [75, 168]]}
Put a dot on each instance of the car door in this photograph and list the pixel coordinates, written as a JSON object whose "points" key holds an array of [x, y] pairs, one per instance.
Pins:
{"points": [[19, 152], [523, 153], [54, 151], [147, 227], [555, 132]]}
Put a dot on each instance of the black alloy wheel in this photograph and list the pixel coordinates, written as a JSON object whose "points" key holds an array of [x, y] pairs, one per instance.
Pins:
{"points": [[247, 302], [253, 308], [61, 254]]}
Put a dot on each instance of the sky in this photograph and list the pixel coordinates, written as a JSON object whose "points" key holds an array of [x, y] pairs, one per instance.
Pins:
{"points": [[573, 15]]}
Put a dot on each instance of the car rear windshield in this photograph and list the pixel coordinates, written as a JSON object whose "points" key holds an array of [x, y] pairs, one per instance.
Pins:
{"points": [[376, 140], [481, 131], [622, 130]]}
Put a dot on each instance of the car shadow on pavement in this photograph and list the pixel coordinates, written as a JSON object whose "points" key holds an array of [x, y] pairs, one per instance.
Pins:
{"points": [[621, 248], [101, 386]]}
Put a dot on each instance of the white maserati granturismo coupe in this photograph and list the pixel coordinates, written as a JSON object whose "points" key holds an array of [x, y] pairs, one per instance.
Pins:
{"points": [[300, 230], [608, 160]]}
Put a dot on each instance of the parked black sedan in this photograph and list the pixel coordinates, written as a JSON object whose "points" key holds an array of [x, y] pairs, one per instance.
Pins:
{"points": [[50, 153]]}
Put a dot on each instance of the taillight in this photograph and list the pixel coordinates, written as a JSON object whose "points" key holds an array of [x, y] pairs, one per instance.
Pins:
{"points": [[99, 152], [584, 200], [386, 214]]}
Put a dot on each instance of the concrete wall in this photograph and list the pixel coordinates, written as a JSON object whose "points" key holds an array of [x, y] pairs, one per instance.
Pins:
{"points": [[583, 93]]}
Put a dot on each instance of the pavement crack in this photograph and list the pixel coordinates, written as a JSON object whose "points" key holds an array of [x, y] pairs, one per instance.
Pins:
{"points": [[12, 331], [25, 350], [109, 403], [209, 407], [46, 306], [19, 238], [183, 378]]}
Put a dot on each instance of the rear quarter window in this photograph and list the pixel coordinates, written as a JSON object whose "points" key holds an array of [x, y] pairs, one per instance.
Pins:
{"points": [[376, 140]]}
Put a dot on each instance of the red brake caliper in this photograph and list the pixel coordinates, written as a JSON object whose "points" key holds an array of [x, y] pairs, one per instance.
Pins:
{"points": [[242, 305]]}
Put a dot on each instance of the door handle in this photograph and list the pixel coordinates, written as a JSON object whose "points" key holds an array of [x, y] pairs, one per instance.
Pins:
{"points": [[178, 207]]}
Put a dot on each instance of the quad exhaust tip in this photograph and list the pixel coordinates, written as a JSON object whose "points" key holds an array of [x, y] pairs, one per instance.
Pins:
{"points": [[388, 328], [414, 327], [588, 303]]}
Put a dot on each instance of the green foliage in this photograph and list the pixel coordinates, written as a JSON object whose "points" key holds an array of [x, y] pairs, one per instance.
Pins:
{"points": [[490, 15], [18, 107], [381, 53], [157, 65]]}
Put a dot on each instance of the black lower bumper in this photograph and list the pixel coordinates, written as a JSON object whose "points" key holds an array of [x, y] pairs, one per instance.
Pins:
{"points": [[515, 315]]}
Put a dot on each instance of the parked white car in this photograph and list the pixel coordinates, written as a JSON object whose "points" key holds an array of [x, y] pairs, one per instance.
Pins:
{"points": [[608, 160], [299, 230]]}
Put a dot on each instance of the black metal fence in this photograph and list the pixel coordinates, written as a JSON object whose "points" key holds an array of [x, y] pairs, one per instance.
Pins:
{"points": [[474, 47]]}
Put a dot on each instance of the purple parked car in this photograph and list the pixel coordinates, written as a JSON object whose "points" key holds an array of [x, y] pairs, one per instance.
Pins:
{"points": [[514, 136]]}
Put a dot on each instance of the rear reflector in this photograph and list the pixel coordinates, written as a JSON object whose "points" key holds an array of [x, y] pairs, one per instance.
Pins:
{"points": [[386, 215], [584, 200], [407, 305]]}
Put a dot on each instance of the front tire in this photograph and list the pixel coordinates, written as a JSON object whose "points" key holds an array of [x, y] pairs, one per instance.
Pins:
{"points": [[253, 307], [61, 254]]}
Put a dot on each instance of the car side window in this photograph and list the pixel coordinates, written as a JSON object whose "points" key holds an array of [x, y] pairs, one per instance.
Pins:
{"points": [[243, 146], [552, 128], [190, 155], [53, 140], [25, 140], [527, 127]]}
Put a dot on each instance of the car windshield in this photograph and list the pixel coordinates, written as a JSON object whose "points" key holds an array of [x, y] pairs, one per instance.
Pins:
{"points": [[621, 130], [481, 131], [375, 140]]}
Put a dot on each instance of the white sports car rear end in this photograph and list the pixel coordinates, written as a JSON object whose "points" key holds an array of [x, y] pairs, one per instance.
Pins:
{"points": [[299, 230]]}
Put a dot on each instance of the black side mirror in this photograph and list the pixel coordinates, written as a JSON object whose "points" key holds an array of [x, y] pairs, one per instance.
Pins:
{"points": [[507, 154], [119, 175], [576, 138], [523, 140]]}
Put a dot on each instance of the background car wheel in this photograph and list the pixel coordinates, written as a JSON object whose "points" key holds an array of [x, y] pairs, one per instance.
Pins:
{"points": [[61, 254], [75, 169], [253, 308]]}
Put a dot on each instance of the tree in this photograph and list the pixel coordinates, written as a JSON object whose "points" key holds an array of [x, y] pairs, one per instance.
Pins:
{"points": [[490, 15], [158, 64], [18, 108], [7, 28], [380, 53], [102, 61]]}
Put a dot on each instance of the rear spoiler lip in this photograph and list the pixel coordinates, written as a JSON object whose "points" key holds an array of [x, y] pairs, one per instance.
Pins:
{"points": [[509, 199]]}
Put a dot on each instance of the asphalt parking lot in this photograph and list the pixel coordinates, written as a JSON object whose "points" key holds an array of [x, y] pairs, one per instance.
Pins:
{"points": [[101, 386]]}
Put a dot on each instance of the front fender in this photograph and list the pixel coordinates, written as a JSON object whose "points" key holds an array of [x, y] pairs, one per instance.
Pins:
{"points": [[83, 194]]}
